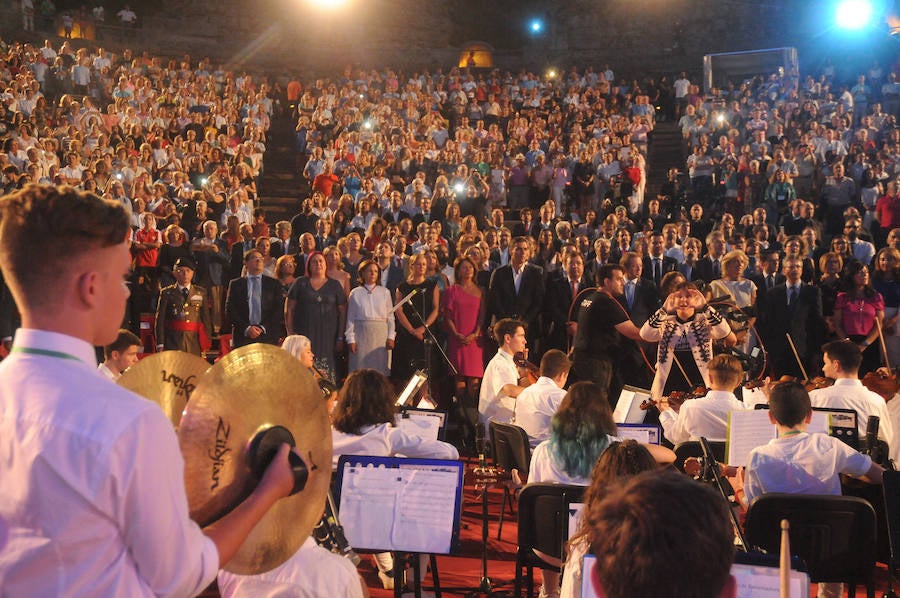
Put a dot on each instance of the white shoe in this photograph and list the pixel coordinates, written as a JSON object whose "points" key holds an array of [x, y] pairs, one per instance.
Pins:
{"points": [[387, 580]]}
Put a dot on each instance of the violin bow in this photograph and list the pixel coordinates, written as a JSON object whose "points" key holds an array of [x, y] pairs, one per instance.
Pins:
{"points": [[884, 352], [681, 367], [796, 355]]}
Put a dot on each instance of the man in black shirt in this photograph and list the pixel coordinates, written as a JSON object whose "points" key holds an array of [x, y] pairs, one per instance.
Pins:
{"points": [[602, 324]]}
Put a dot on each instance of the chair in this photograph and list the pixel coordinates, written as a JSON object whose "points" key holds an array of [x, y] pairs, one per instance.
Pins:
{"points": [[891, 489], [511, 451], [543, 526], [692, 448], [834, 535]]}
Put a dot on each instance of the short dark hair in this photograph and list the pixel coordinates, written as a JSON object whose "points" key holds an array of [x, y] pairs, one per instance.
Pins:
{"points": [[555, 362], [124, 339], [845, 352], [506, 326], [661, 534], [43, 228], [789, 403], [606, 271]]}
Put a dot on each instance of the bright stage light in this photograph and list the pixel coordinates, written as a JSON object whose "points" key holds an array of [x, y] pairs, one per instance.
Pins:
{"points": [[326, 3], [536, 26], [853, 14]]}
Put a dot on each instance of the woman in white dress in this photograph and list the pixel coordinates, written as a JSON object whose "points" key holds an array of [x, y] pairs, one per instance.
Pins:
{"points": [[370, 328]]}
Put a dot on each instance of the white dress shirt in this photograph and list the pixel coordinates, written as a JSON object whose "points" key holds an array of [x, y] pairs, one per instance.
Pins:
{"points": [[385, 440], [802, 464], [849, 393], [544, 467], [706, 416], [312, 572], [93, 482], [535, 406], [492, 404]]}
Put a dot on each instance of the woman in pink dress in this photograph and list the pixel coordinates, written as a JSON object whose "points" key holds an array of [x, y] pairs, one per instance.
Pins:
{"points": [[464, 311]]}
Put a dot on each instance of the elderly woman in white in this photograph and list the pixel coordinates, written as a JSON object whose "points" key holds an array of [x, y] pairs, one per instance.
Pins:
{"points": [[685, 328]]}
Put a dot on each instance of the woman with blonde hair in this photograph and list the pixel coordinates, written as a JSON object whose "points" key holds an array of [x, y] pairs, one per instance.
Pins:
{"points": [[742, 293], [335, 267]]}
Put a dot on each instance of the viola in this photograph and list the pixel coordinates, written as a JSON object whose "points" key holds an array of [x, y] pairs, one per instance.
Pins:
{"points": [[527, 370], [882, 382]]}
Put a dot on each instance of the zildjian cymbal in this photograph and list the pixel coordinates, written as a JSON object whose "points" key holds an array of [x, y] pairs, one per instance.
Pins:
{"points": [[250, 390], [166, 378]]}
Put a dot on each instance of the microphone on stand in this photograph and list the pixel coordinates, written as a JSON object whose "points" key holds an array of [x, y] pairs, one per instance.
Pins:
{"points": [[480, 443], [872, 447], [406, 299]]}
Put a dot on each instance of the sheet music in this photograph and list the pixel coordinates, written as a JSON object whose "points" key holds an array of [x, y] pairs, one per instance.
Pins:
{"points": [[640, 434], [746, 431], [410, 509], [752, 581], [820, 423], [628, 407], [425, 425], [765, 582]]}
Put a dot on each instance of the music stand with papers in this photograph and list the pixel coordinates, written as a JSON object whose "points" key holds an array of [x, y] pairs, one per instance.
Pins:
{"points": [[405, 505]]}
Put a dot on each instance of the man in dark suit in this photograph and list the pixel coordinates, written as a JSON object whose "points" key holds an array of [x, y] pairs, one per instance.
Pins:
{"points": [[391, 272], [657, 264], [517, 290], [562, 288], [769, 275], [709, 267], [255, 307], [599, 258], [501, 255], [323, 239], [238, 249], [283, 244], [395, 211], [795, 308], [688, 268], [641, 297]]}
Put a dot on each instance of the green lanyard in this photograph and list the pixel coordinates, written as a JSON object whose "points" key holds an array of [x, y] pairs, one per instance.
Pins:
{"points": [[44, 352]]}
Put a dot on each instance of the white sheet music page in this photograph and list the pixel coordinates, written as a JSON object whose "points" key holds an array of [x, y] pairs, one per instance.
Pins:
{"points": [[423, 513], [746, 431], [408, 509]]}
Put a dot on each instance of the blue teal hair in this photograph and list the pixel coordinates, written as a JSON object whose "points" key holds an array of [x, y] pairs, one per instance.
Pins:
{"points": [[579, 430]]}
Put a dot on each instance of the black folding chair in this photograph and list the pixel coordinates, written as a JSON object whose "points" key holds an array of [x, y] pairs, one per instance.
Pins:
{"points": [[834, 535], [511, 451], [543, 526]]}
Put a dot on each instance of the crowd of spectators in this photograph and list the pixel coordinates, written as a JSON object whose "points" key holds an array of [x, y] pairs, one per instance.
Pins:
{"points": [[463, 164]]}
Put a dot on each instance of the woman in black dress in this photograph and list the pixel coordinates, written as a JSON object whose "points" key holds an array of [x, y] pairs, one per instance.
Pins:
{"points": [[409, 346]]}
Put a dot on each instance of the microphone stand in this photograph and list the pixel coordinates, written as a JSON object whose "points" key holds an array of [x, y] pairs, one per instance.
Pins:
{"points": [[428, 341]]}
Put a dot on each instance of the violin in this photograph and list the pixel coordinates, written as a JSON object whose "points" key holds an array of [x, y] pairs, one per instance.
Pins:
{"points": [[327, 387], [810, 385], [883, 382], [528, 372], [677, 398]]}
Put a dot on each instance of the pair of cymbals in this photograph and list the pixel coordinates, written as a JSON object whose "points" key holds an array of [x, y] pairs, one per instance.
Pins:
{"points": [[247, 392]]}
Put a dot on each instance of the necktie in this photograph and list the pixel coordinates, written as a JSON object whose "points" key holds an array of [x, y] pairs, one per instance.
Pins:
{"points": [[574, 290], [629, 293], [657, 270], [716, 269], [255, 304], [792, 296], [184, 294], [770, 281], [517, 280]]}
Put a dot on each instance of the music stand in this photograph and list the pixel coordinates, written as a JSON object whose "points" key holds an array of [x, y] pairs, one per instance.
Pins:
{"points": [[711, 474], [371, 520]]}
